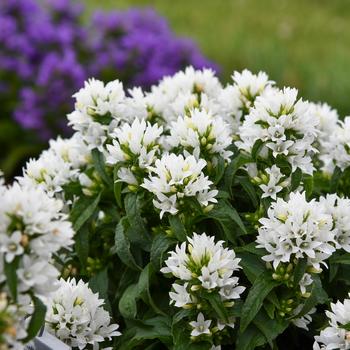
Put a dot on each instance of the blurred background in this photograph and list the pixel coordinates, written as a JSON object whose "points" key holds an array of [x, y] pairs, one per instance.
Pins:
{"points": [[49, 47]]}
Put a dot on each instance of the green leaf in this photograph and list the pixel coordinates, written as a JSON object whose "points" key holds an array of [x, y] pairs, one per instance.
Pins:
{"points": [[340, 259], [219, 170], [257, 148], [99, 284], [271, 328], [336, 176], [178, 228], [261, 287], [252, 265], [299, 271], [232, 168], [217, 304], [122, 246], [81, 246], [227, 215], [137, 233], [249, 189], [160, 245], [308, 181], [282, 162], [296, 179], [250, 339], [117, 187], [37, 319], [10, 270], [127, 303], [100, 166], [82, 210]]}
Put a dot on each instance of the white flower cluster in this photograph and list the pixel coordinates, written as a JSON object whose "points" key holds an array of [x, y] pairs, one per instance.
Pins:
{"points": [[337, 334], [285, 126], [339, 209], [176, 178], [335, 150], [58, 165], [203, 264], [271, 181], [32, 229], [297, 229], [12, 324], [202, 135], [136, 146], [76, 316]]}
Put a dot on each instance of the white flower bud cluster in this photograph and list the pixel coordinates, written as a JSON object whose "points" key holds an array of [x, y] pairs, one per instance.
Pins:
{"points": [[203, 265], [76, 316], [337, 334]]}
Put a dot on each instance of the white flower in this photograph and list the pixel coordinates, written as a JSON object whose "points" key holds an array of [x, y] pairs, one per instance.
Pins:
{"points": [[94, 101], [11, 245], [57, 166], [38, 219], [76, 315], [201, 326], [336, 150], [328, 119], [184, 90], [274, 184], [180, 297], [296, 229], [175, 178], [284, 124], [207, 265], [137, 145], [250, 86], [339, 209], [202, 134], [304, 321], [337, 334]]}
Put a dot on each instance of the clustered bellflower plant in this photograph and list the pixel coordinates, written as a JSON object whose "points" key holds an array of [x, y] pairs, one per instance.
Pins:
{"points": [[48, 50], [190, 216]]}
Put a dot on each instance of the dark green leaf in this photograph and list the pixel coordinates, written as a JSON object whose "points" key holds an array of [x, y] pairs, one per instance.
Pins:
{"points": [[226, 215], [299, 271], [296, 179], [336, 176], [250, 339], [232, 168], [82, 244], [160, 245], [137, 233], [37, 319], [249, 189], [257, 148], [217, 304], [127, 303], [178, 228], [10, 270], [100, 166], [122, 246], [308, 181], [99, 284], [261, 287], [219, 170], [252, 265], [82, 210], [271, 328]]}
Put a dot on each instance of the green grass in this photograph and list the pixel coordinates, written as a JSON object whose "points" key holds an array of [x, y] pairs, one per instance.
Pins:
{"points": [[301, 43]]}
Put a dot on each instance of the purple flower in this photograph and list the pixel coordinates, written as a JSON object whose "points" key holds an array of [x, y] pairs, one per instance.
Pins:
{"points": [[46, 53]]}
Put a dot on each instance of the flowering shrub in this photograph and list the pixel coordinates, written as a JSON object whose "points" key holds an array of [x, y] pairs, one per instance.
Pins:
{"points": [[205, 217], [47, 53]]}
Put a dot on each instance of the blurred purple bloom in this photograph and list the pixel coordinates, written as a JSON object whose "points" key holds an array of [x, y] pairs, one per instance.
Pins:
{"points": [[46, 54]]}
